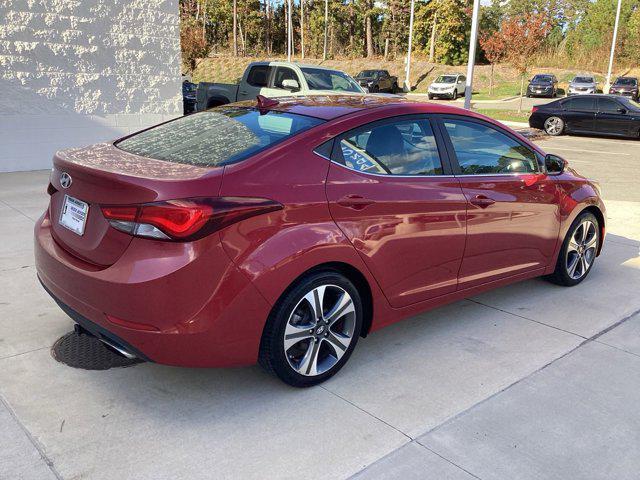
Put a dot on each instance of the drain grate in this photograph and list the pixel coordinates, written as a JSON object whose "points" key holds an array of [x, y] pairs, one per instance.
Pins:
{"points": [[79, 350]]}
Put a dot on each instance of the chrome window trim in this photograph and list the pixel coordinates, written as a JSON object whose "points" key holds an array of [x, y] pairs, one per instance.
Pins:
{"points": [[385, 175]]}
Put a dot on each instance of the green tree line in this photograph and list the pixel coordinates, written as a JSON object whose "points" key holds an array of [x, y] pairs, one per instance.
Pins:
{"points": [[577, 32]]}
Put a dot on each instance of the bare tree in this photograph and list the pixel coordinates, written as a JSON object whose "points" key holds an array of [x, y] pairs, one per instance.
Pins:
{"points": [[235, 28], [326, 28], [302, 28], [368, 28], [432, 44]]}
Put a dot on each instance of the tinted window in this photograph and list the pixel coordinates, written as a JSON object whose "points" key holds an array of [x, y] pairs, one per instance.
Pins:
{"points": [[401, 148], [321, 79], [626, 81], [216, 137], [583, 80], [607, 105], [446, 79], [481, 149], [258, 76], [542, 78], [580, 104]]}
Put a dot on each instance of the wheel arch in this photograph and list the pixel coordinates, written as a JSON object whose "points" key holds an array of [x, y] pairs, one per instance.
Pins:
{"points": [[355, 276], [595, 210]]}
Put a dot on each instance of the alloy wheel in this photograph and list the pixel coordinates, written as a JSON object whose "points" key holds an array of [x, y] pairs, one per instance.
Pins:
{"points": [[319, 330], [553, 125], [581, 250]]}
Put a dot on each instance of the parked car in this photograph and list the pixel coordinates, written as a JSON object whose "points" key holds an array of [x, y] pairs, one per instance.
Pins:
{"points": [[188, 97], [280, 232], [447, 86], [593, 114], [582, 85], [627, 87], [277, 79], [543, 85], [377, 81]]}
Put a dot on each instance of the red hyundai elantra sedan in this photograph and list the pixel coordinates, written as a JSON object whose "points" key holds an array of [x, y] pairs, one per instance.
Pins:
{"points": [[281, 232]]}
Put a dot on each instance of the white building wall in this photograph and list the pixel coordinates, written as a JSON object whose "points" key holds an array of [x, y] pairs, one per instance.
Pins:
{"points": [[75, 72]]}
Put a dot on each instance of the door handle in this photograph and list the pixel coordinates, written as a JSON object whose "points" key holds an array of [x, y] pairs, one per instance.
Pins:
{"points": [[482, 201], [355, 202]]}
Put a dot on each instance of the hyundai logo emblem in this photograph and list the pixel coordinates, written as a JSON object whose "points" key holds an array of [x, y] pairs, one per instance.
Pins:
{"points": [[65, 180]]}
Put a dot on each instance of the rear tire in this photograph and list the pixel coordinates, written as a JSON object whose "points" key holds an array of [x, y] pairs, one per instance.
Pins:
{"points": [[578, 252], [554, 126], [312, 330]]}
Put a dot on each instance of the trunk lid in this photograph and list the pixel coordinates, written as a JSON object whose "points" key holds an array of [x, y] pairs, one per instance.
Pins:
{"points": [[102, 174]]}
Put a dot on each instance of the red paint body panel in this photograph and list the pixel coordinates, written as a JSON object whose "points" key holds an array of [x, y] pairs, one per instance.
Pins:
{"points": [[412, 237], [420, 244]]}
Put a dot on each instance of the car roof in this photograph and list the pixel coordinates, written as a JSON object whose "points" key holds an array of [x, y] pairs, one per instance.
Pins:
{"points": [[282, 63], [328, 107]]}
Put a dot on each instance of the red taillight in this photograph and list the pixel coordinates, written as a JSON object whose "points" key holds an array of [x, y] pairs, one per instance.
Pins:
{"points": [[534, 109], [184, 220]]}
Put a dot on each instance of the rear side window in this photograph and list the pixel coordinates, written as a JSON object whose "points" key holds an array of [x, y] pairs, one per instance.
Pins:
{"points": [[580, 104], [258, 76], [483, 150], [405, 147], [216, 137]]}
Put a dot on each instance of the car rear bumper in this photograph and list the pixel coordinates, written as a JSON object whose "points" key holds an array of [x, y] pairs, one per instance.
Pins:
{"points": [[182, 304]]}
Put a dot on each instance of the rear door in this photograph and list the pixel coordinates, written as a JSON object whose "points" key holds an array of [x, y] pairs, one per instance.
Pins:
{"points": [[512, 213], [389, 192], [580, 114], [614, 118]]}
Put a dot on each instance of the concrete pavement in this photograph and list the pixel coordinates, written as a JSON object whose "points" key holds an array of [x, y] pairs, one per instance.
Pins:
{"points": [[529, 381]]}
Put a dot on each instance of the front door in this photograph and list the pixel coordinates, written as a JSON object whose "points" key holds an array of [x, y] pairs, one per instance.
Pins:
{"points": [[614, 118], [388, 194], [512, 216], [276, 86]]}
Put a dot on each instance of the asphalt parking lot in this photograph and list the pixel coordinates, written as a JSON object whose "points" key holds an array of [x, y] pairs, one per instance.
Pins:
{"points": [[530, 381]]}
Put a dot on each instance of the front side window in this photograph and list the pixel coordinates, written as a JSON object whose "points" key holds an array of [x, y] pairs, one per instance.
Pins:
{"points": [[216, 137], [405, 147], [483, 150], [322, 79], [580, 104], [282, 74], [606, 105]]}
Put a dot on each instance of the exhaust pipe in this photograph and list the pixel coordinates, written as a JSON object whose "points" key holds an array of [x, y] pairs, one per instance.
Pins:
{"points": [[80, 330]]}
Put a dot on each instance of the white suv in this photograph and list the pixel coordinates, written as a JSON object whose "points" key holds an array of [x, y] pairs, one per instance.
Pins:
{"points": [[447, 86]]}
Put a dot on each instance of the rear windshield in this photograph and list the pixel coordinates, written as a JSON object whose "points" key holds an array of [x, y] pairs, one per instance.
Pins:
{"points": [[216, 137]]}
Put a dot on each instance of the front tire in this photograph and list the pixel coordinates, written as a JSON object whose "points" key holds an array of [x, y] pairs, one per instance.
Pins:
{"points": [[312, 330], [578, 252], [454, 95], [554, 126]]}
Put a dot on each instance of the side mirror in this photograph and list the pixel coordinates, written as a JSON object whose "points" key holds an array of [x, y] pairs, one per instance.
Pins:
{"points": [[291, 85], [621, 110], [554, 164]]}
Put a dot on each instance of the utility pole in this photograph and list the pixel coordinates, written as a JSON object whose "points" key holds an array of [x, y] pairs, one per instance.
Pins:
{"points": [[407, 73], [326, 26], [302, 28], [613, 48], [472, 54], [289, 36]]}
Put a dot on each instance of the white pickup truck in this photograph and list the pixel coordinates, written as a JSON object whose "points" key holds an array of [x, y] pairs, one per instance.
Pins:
{"points": [[277, 79]]}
